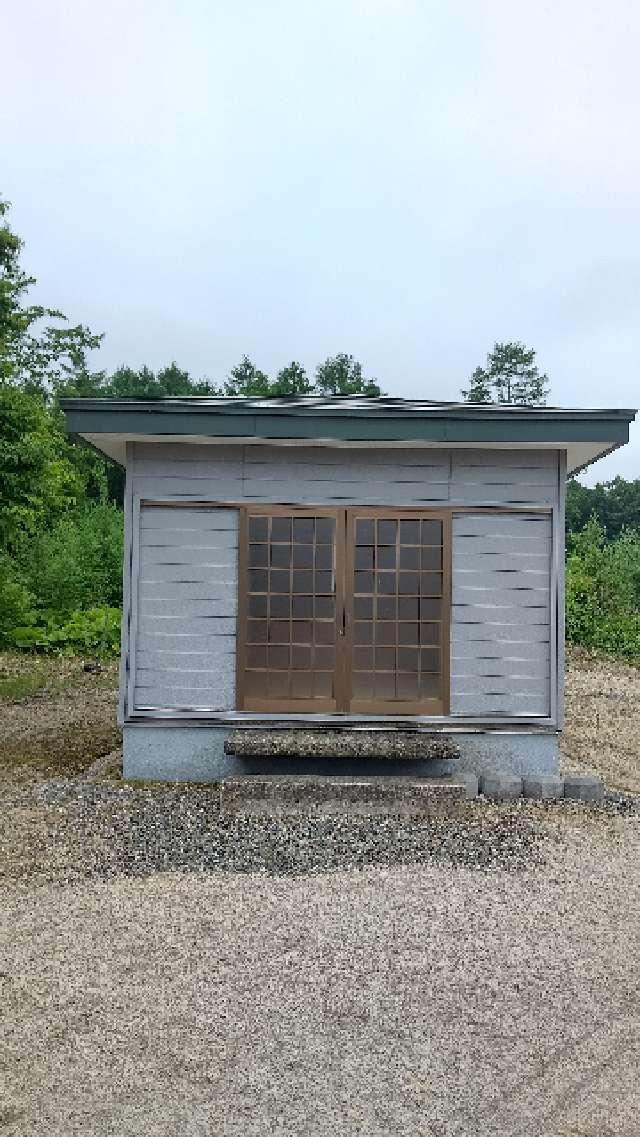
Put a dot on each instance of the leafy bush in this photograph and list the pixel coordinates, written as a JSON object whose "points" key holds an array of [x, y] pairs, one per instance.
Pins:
{"points": [[603, 590], [61, 590], [95, 631], [16, 604], [37, 483], [77, 562]]}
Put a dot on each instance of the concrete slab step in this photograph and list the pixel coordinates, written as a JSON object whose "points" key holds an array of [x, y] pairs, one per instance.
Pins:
{"points": [[386, 745], [406, 797]]}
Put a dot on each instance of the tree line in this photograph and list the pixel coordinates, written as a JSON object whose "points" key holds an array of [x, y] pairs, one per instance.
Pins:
{"points": [[60, 502]]}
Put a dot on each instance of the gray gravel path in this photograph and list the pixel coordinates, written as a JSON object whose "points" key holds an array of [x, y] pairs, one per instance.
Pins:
{"points": [[452, 997], [108, 830]]}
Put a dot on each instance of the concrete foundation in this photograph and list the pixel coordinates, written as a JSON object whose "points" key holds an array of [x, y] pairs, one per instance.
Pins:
{"points": [[184, 753]]}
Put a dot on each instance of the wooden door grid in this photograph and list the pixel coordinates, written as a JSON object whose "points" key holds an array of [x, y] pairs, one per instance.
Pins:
{"points": [[343, 610]]}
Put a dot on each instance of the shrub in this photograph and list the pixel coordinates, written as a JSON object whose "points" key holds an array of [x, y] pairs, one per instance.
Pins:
{"points": [[62, 589], [77, 563], [95, 631], [603, 591], [16, 604]]}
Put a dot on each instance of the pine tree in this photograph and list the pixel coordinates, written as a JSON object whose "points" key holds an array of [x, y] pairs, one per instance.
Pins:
{"points": [[511, 375], [479, 390], [342, 375], [291, 380], [247, 379]]}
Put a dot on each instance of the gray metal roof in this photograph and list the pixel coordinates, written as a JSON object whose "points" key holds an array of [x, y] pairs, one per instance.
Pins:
{"points": [[382, 407], [586, 434]]}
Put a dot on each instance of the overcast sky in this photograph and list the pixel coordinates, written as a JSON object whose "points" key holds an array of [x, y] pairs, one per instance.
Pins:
{"points": [[406, 180]]}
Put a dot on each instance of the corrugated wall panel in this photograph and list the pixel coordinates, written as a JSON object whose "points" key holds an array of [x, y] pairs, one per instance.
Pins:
{"points": [[187, 574], [186, 609], [336, 475], [500, 633], [503, 477]]}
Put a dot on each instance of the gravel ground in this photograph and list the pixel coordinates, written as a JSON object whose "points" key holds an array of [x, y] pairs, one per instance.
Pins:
{"points": [[165, 970], [435, 999], [91, 830]]}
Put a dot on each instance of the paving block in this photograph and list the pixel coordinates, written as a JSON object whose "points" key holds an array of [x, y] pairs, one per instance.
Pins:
{"points": [[471, 782], [547, 787], [583, 787], [504, 787]]}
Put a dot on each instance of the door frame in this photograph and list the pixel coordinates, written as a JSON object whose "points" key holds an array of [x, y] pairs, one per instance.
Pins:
{"points": [[342, 703]]}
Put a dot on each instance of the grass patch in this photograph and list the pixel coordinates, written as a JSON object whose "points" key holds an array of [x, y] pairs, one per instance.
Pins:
{"points": [[16, 687], [57, 718], [66, 753], [26, 676]]}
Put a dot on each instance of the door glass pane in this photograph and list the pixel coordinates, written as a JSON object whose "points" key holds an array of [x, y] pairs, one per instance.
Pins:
{"points": [[365, 531], [324, 607], [258, 556], [291, 605], [409, 532], [325, 530], [279, 528], [280, 607], [302, 607], [257, 606], [302, 556], [258, 528]]}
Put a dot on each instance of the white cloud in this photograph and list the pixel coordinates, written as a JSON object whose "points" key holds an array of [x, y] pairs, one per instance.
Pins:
{"points": [[404, 179]]}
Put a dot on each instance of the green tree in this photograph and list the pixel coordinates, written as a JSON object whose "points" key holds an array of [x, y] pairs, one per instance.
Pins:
{"points": [[479, 389], [37, 481], [43, 359], [247, 380], [614, 504], [342, 375], [291, 380], [171, 381], [35, 354], [104, 480], [511, 375]]}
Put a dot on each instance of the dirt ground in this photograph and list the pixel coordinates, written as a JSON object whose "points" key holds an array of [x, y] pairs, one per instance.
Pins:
{"points": [[602, 733], [460, 996], [59, 719]]}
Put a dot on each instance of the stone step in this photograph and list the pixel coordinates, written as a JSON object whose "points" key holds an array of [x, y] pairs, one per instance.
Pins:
{"points": [[406, 797], [302, 743]]}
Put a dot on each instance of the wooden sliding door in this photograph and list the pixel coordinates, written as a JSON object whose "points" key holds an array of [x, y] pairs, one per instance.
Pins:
{"points": [[397, 612], [291, 600], [343, 610]]}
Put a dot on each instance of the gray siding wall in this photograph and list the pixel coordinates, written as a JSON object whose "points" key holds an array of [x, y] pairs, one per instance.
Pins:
{"points": [[337, 475], [185, 620], [182, 651], [501, 614]]}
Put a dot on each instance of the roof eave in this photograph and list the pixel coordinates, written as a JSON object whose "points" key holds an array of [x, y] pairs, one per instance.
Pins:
{"points": [[587, 434]]}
